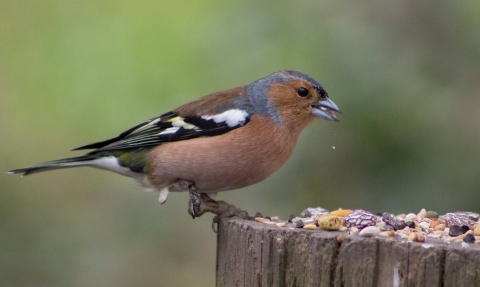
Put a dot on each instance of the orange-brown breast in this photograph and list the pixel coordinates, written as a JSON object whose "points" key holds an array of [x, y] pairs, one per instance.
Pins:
{"points": [[239, 158]]}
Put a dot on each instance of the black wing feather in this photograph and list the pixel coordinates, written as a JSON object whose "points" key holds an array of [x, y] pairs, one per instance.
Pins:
{"points": [[149, 133]]}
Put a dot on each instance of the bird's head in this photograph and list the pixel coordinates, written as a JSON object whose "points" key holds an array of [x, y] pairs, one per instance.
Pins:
{"points": [[293, 98]]}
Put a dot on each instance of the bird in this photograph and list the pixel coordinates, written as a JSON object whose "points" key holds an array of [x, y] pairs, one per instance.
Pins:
{"points": [[223, 141]]}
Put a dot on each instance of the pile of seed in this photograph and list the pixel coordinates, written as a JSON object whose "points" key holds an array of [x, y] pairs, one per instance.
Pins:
{"points": [[451, 227]]}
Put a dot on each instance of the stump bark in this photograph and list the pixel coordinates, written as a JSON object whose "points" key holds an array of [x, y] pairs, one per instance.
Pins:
{"points": [[256, 254]]}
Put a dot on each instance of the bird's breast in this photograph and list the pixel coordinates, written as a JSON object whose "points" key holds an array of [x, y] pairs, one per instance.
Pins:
{"points": [[236, 159]]}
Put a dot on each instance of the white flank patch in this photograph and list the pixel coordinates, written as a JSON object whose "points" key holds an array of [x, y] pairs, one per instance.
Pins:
{"points": [[232, 118], [111, 163], [169, 131]]}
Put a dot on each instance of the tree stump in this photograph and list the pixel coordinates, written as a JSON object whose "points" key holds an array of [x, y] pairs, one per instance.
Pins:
{"points": [[256, 254]]}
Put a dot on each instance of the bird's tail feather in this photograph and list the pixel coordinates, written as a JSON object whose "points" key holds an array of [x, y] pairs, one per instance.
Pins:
{"points": [[56, 164]]}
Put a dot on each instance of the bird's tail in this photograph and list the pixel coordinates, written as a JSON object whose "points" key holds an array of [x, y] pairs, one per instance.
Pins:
{"points": [[82, 160]]}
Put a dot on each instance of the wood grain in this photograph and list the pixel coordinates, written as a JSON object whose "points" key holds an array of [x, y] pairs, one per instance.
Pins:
{"points": [[256, 254]]}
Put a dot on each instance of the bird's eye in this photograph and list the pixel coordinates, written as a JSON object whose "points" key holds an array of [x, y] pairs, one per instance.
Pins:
{"points": [[302, 92]]}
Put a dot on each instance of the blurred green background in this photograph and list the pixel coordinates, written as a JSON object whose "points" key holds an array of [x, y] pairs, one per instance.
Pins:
{"points": [[406, 74]]}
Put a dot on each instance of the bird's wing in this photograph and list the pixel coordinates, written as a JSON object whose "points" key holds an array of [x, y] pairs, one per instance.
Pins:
{"points": [[175, 126]]}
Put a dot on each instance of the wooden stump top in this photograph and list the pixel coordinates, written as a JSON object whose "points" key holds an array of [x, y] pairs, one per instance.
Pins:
{"points": [[257, 254]]}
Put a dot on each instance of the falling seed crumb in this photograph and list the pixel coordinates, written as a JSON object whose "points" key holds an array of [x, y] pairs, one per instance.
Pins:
{"points": [[333, 147]]}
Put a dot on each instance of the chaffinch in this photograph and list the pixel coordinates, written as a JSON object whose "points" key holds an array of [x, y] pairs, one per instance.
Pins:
{"points": [[223, 141]]}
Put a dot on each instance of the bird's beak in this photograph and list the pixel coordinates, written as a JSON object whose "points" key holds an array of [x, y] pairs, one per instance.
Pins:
{"points": [[325, 109]]}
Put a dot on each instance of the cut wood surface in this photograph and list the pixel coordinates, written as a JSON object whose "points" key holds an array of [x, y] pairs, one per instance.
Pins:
{"points": [[257, 254]]}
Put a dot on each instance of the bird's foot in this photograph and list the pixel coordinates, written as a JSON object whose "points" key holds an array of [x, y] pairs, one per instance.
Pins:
{"points": [[194, 202], [194, 197], [201, 203]]}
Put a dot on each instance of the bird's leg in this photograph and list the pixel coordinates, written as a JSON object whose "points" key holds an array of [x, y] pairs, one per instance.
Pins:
{"points": [[194, 197], [200, 203], [220, 208], [194, 202]]}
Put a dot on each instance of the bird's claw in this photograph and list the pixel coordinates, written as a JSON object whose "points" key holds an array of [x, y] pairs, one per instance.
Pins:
{"points": [[194, 201], [200, 203]]}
